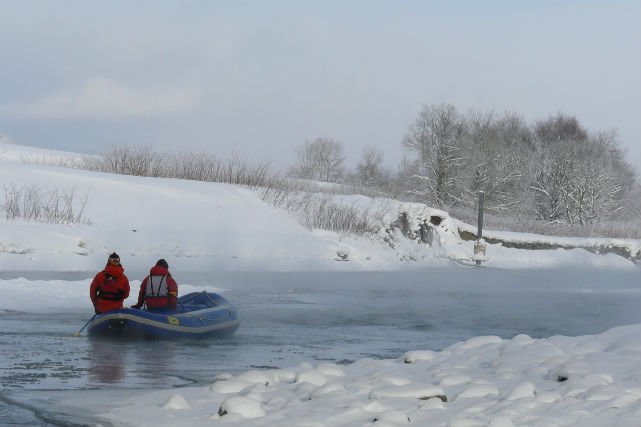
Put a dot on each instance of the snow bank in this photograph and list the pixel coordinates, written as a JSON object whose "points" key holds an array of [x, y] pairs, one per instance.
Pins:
{"points": [[210, 226], [23, 154], [202, 226], [55, 296], [485, 381]]}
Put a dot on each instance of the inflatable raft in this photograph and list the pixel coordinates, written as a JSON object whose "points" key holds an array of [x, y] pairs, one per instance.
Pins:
{"points": [[197, 314]]}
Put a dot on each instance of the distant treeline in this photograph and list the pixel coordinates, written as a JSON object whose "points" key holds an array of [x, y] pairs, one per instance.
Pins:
{"points": [[553, 170], [549, 177]]}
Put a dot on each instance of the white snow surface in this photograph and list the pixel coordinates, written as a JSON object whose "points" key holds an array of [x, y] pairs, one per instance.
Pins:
{"points": [[210, 226], [485, 381], [23, 154]]}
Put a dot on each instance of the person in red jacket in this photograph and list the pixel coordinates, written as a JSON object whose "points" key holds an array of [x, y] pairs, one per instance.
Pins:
{"points": [[159, 290], [110, 287]]}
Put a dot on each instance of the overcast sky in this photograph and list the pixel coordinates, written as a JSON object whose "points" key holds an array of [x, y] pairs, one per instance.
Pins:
{"points": [[260, 78]]}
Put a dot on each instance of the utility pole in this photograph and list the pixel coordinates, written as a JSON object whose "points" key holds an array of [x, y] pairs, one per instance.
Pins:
{"points": [[479, 245]]}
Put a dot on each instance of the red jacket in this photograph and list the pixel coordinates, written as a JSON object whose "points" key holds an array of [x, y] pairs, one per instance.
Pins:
{"points": [[109, 290], [164, 295]]}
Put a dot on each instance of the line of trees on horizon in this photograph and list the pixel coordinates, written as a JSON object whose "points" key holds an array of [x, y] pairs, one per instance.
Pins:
{"points": [[553, 170], [551, 176]]}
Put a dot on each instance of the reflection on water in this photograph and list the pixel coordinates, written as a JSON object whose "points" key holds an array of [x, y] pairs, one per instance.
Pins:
{"points": [[149, 362], [107, 362], [156, 360]]}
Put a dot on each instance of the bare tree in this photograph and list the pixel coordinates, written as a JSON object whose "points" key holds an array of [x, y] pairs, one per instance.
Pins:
{"points": [[554, 170], [494, 165], [581, 178], [599, 180], [560, 129], [369, 170], [321, 159], [632, 207], [437, 138]]}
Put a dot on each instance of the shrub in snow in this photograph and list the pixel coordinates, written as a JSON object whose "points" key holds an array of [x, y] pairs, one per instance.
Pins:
{"points": [[143, 161], [52, 206], [325, 212]]}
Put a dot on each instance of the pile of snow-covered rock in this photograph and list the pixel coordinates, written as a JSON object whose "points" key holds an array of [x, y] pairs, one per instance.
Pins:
{"points": [[484, 381]]}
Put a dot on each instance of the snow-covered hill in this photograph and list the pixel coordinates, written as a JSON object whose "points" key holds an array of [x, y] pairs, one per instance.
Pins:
{"points": [[204, 226]]}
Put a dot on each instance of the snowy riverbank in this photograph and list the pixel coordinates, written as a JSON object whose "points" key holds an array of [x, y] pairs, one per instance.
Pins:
{"points": [[484, 381], [205, 226]]}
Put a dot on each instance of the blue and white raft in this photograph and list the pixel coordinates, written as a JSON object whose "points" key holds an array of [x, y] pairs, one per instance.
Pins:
{"points": [[197, 314]]}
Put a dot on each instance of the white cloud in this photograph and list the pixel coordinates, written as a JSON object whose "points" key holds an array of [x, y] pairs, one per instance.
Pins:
{"points": [[102, 98]]}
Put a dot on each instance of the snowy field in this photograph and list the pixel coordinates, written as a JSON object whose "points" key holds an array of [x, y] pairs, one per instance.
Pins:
{"points": [[500, 378]]}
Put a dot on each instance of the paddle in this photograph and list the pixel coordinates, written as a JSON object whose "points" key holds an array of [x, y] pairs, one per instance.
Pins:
{"points": [[83, 328]]}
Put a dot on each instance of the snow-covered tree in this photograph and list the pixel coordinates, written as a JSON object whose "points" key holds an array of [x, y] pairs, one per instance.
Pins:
{"points": [[581, 178], [436, 136], [369, 170], [321, 159], [553, 170], [494, 165]]}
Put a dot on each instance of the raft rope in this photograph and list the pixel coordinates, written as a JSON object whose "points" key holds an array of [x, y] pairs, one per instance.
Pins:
{"points": [[199, 293], [229, 312]]}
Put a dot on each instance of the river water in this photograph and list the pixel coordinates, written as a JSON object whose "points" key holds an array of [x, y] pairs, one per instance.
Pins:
{"points": [[290, 318]]}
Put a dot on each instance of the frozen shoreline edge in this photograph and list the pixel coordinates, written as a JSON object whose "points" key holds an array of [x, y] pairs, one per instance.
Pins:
{"points": [[487, 380]]}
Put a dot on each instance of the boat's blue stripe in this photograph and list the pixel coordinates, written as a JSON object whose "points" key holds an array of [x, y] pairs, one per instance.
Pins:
{"points": [[162, 325]]}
